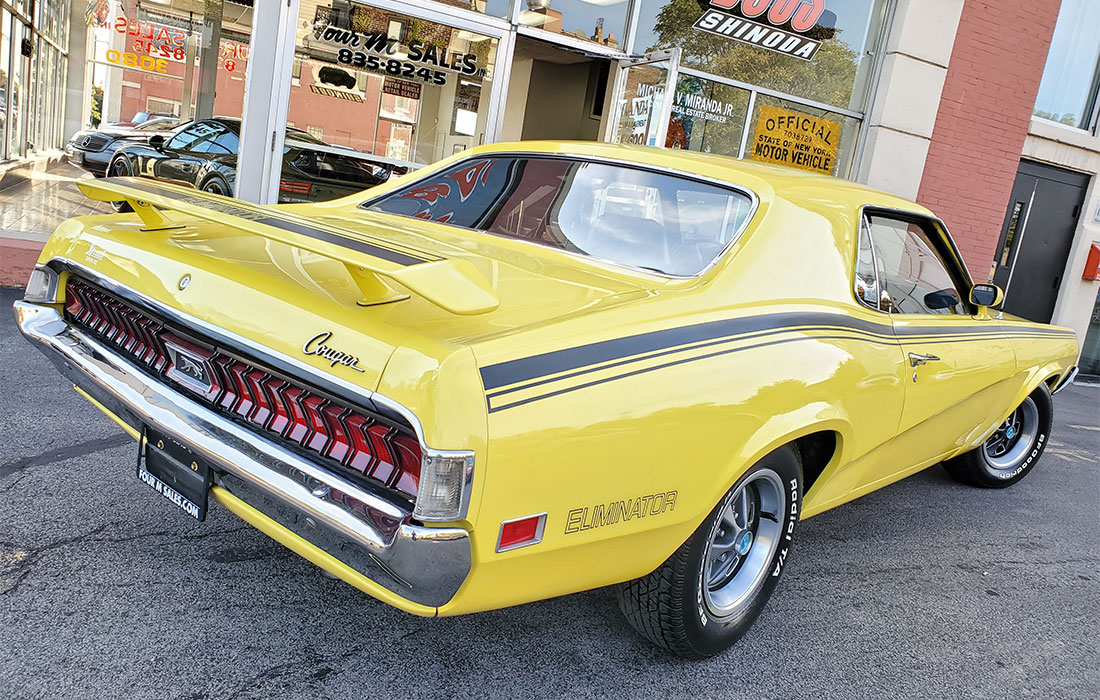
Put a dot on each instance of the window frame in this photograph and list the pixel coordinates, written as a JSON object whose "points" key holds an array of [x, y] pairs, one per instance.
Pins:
{"points": [[942, 243], [754, 202]]}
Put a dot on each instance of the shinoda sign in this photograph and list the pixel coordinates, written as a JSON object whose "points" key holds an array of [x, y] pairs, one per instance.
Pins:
{"points": [[783, 33]]}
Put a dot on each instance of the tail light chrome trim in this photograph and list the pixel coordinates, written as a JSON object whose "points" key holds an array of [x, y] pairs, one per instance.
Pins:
{"points": [[425, 565], [286, 364], [332, 384], [356, 439]]}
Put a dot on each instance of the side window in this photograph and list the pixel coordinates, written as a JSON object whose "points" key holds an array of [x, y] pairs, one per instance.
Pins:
{"points": [[203, 138], [912, 277], [225, 143], [183, 140]]}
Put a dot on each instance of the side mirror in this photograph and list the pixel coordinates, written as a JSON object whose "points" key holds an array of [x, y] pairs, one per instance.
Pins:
{"points": [[986, 295], [943, 299], [157, 142]]}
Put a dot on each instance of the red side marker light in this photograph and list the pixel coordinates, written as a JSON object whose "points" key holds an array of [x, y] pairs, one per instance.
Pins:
{"points": [[521, 532]]}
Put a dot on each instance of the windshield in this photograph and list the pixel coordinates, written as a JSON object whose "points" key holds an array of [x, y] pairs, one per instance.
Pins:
{"points": [[657, 221]]}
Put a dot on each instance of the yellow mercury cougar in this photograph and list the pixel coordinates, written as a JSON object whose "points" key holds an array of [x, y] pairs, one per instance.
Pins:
{"points": [[538, 368]]}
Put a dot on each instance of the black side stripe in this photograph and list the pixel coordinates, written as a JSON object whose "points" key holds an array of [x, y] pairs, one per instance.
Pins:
{"points": [[673, 363], [539, 366], [855, 335], [597, 367], [536, 366], [286, 222], [665, 365]]}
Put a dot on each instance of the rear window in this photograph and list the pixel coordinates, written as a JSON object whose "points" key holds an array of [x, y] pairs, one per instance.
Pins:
{"points": [[656, 221]]}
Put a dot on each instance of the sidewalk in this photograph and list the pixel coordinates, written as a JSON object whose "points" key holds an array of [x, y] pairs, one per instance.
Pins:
{"points": [[29, 213]]}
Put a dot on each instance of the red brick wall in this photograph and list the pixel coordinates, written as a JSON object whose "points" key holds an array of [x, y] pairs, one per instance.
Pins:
{"points": [[992, 80]]}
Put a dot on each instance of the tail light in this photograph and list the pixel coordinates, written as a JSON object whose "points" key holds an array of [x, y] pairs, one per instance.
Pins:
{"points": [[295, 187]]}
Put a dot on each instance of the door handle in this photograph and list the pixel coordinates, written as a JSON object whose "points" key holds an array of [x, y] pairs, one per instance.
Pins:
{"points": [[916, 359]]}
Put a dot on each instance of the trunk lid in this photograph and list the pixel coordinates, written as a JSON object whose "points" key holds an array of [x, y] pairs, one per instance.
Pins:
{"points": [[339, 289]]}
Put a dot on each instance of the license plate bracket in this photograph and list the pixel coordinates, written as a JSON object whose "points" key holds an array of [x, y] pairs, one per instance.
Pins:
{"points": [[175, 472]]}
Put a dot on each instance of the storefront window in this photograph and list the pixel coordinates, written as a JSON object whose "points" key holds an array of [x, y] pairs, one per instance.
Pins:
{"points": [[600, 21], [494, 8], [707, 116], [17, 90], [154, 64], [766, 44], [783, 132], [389, 89], [35, 116], [1071, 79], [5, 57]]}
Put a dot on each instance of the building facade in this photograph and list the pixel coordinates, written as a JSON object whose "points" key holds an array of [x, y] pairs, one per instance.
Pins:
{"points": [[960, 105]]}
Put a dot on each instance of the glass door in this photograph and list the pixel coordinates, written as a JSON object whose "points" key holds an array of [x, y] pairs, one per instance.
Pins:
{"points": [[643, 103]]}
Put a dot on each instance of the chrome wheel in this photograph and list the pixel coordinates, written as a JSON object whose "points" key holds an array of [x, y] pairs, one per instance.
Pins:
{"points": [[742, 542], [1014, 438]]}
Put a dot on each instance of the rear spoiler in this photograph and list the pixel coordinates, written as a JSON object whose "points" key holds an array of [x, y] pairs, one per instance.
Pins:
{"points": [[375, 264]]}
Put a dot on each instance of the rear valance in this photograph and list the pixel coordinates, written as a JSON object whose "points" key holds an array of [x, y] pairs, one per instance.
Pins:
{"points": [[375, 264]]}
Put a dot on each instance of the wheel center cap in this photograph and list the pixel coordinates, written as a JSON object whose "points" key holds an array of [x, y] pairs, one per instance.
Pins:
{"points": [[743, 543], [1009, 432]]}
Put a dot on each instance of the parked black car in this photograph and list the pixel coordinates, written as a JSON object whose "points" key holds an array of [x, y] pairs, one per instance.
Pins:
{"points": [[93, 149], [203, 154]]}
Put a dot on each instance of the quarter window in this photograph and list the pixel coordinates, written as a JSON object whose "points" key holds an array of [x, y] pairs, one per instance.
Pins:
{"points": [[661, 222], [867, 290], [910, 276]]}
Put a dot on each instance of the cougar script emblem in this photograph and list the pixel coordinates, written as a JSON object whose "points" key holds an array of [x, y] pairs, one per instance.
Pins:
{"points": [[316, 346]]}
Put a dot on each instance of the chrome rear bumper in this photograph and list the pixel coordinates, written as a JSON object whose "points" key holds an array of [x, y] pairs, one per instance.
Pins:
{"points": [[425, 565]]}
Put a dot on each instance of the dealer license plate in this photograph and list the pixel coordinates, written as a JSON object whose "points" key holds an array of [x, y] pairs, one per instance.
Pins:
{"points": [[174, 472]]}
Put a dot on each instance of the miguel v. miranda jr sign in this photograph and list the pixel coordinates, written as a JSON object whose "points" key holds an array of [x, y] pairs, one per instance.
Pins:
{"points": [[799, 15]]}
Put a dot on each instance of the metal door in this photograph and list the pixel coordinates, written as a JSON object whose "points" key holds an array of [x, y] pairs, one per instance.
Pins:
{"points": [[1036, 238]]}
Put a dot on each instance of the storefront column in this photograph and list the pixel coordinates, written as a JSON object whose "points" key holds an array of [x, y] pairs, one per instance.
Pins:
{"points": [[77, 99], [208, 58], [266, 96], [902, 116]]}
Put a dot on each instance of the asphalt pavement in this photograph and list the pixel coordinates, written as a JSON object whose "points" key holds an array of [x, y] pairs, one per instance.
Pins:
{"points": [[924, 589]]}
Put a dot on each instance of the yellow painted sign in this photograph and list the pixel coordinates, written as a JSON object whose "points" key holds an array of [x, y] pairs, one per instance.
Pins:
{"points": [[796, 140]]}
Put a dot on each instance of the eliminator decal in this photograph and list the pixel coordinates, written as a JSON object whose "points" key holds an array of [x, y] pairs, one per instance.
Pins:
{"points": [[601, 514]]}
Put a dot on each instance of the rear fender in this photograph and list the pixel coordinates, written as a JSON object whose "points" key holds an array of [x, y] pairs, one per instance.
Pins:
{"points": [[786, 428]]}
